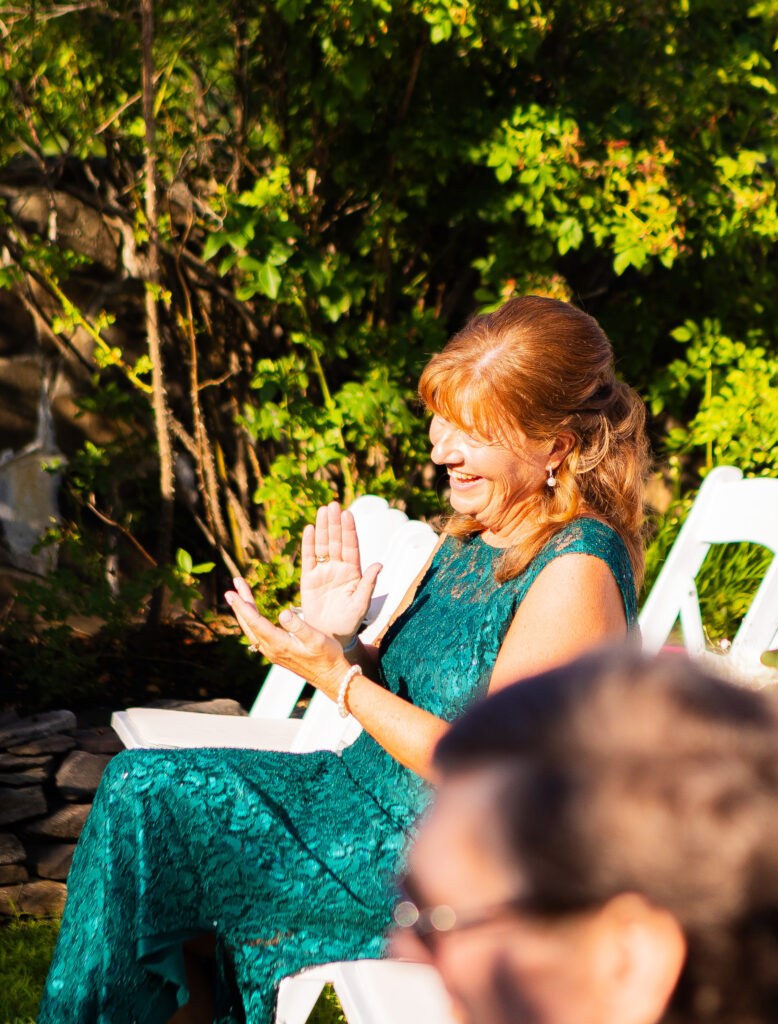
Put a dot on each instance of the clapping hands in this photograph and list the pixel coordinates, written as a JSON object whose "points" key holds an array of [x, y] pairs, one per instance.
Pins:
{"points": [[335, 599], [335, 594]]}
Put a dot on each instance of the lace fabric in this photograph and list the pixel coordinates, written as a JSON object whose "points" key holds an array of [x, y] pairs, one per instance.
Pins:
{"points": [[286, 858]]}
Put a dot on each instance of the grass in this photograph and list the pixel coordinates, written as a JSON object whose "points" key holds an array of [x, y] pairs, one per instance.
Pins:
{"points": [[26, 948], [327, 1010]]}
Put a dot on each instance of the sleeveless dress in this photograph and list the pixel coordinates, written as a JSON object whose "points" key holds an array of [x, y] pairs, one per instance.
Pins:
{"points": [[286, 858]]}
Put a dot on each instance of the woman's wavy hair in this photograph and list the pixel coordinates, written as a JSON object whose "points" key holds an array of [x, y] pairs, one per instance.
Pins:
{"points": [[623, 774], [542, 366]]}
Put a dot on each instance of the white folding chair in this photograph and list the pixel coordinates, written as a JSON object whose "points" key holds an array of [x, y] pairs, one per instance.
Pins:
{"points": [[728, 509], [369, 992]]}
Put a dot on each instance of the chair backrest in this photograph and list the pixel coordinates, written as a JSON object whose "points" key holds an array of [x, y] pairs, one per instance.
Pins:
{"points": [[376, 524], [408, 549], [385, 535], [727, 509]]}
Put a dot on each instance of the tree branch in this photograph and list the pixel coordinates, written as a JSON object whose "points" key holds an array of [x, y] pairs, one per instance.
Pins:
{"points": [[159, 396]]}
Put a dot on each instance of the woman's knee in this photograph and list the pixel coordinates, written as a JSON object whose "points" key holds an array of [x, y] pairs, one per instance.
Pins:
{"points": [[129, 769]]}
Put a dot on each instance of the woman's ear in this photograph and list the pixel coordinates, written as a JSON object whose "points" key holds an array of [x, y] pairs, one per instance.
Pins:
{"points": [[563, 444], [642, 954]]}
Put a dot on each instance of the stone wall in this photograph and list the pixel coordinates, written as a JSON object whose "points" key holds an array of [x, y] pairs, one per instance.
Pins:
{"points": [[49, 772], [50, 768]]}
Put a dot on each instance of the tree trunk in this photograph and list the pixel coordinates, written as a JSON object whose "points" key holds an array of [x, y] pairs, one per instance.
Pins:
{"points": [[158, 395]]}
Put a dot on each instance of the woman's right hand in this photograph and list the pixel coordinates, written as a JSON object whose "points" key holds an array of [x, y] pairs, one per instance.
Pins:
{"points": [[335, 594]]}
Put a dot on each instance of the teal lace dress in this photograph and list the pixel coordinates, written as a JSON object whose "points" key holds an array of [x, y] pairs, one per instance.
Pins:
{"points": [[286, 858]]}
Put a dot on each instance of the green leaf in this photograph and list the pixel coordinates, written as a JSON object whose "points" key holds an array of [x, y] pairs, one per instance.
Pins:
{"points": [[667, 258], [441, 32], [184, 561], [682, 333], [570, 235], [226, 263], [621, 262], [269, 280], [213, 243]]}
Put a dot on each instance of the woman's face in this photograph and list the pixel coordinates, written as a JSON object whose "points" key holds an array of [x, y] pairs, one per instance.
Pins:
{"points": [[510, 968], [488, 481]]}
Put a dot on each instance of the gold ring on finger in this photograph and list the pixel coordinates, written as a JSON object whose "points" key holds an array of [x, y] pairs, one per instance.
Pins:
{"points": [[322, 558], [255, 649]]}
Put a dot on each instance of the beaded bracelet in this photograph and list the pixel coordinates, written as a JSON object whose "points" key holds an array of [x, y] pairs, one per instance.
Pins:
{"points": [[343, 690]]}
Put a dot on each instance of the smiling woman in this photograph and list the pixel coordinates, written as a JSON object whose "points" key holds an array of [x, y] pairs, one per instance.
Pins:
{"points": [[492, 483], [527, 396], [285, 860]]}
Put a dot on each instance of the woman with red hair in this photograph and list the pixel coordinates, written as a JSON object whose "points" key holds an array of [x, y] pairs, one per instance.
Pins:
{"points": [[286, 859]]}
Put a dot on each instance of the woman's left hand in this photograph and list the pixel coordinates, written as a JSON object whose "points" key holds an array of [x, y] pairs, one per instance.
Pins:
{"points": [[293, 644]]}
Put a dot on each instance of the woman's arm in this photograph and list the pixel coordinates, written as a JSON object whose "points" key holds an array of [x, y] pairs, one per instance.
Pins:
{"points": [[408, 733], [574, 604]]}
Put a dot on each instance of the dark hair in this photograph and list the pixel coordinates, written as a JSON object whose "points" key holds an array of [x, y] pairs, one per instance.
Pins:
{"points": [[543, 366], [624, 774]]}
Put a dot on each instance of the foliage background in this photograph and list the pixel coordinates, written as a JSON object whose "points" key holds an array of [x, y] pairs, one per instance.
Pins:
{"points": [[340, 184]]}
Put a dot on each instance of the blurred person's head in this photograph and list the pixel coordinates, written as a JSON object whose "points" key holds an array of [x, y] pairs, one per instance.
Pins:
{"points": [[603, 849]]}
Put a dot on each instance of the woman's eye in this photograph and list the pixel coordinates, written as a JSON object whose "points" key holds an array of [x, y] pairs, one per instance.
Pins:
{"points": [[476, 441], [438, 425]]}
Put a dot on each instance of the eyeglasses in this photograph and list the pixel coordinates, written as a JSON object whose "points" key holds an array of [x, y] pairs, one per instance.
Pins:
{"points": [[428, 922]]}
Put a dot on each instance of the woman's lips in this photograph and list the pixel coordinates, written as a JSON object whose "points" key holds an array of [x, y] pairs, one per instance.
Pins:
{"points": [[459, 478]]}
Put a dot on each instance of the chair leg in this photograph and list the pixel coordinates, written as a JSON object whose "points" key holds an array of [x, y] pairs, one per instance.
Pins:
{"points": [[297, 997]]}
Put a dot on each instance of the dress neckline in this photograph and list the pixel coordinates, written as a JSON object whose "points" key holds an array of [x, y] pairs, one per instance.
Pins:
{"points": [[489, 547], [572, 522]]}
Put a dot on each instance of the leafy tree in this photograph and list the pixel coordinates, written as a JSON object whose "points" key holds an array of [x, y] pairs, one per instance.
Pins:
{"points": [[340, 184]]}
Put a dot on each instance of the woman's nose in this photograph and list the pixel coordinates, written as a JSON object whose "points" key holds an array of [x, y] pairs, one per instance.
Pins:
{"points": [[444, 446]]}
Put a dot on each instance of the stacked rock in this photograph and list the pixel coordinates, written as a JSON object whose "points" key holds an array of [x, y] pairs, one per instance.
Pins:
{"points": [[49, 772]]}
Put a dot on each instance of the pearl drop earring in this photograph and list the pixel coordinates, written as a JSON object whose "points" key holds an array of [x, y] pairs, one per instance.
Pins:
{"points": [[551, 481]]}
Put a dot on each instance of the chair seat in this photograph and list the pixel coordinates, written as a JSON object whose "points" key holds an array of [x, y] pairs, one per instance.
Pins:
{"points": [[157, 727], [369, 992]]}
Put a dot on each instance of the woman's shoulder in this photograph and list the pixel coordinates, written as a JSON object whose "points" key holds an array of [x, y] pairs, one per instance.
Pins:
{"points": [[588, 535]]}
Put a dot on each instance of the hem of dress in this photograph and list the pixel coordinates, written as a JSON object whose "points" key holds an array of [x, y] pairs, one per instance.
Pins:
{"points": [[163, 955]]}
